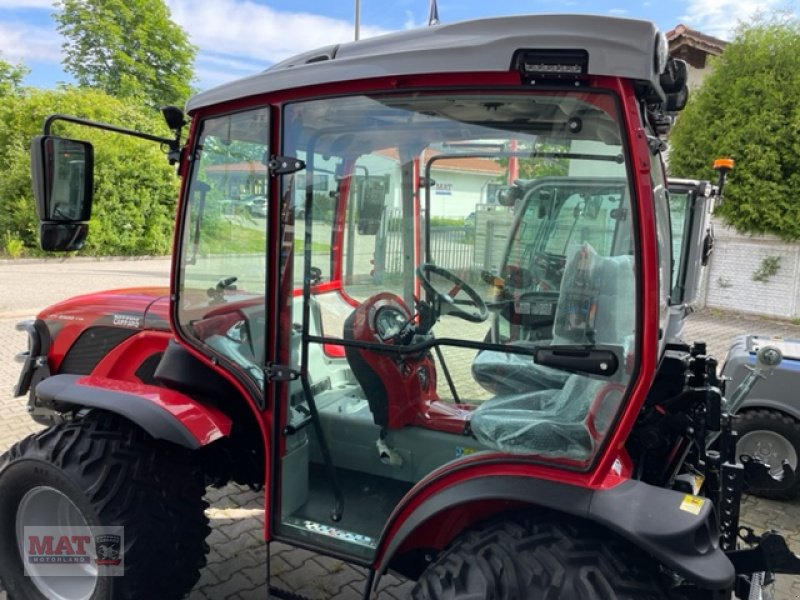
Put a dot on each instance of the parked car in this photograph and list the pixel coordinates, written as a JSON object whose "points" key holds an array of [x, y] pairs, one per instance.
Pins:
{"points": [[256, 205]]}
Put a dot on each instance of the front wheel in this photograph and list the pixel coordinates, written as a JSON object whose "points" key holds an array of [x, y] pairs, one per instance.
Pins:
{"points": [[101, 471], [541, 556]]}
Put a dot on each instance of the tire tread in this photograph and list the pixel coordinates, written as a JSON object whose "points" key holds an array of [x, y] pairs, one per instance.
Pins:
{"points": [[544, 556], [152, 488]]}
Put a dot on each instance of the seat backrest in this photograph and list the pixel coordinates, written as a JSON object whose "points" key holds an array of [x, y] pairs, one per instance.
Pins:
{"points": [[596, 301], [368, 379]]}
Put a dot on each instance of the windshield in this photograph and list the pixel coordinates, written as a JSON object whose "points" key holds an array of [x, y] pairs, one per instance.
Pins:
{"points": [[468, 263]]}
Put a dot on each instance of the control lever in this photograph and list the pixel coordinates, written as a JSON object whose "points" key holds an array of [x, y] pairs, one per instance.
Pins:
{"points": [[217, 294]]}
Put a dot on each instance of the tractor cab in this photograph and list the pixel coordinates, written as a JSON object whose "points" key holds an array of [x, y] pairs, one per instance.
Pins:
{"points": [[401, 344], [390, 341]]}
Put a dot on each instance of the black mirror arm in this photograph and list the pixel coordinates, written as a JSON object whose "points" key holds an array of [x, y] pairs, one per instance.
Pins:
{"points": [[172, 143]]}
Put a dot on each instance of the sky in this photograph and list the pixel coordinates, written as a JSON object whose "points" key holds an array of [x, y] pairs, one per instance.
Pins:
{"points": [[236, 38]]}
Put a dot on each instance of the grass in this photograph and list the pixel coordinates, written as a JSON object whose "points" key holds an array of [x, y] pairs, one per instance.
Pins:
{"points": [[13, 247], [316, 247]]}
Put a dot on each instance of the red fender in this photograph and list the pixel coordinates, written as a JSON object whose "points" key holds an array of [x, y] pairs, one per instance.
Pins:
{"points": [[164, 414]]}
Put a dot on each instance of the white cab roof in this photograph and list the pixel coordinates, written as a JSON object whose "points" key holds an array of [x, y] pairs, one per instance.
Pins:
{"points": [[616, 47]]}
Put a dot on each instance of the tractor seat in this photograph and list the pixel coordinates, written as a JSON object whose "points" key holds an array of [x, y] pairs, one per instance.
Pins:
{"points": [[594, 307], [560, 423], [505, 373]]}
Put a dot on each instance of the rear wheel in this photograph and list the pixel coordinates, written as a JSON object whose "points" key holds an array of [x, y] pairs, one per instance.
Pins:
{"points": [[773, 437], [102, 471], [541, 556]]}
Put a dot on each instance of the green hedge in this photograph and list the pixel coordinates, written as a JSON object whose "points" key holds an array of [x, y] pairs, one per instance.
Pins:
{"points": [[748, 108]]}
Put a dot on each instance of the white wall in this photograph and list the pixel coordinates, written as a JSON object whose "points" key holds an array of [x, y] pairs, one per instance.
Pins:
{"points": [[728, 279], [457, 193]]}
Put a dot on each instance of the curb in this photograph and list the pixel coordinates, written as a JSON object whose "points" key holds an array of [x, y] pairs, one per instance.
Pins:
{"points": [[79, 259]]}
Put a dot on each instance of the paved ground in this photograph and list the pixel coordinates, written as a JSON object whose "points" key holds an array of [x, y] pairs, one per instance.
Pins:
{"points": [[238, 559]]}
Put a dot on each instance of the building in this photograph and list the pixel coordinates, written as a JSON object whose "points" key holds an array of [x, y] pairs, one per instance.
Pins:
{"points": [[695, 48]]}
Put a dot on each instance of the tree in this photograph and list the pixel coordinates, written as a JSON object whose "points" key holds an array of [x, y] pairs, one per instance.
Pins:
{"points": [[127, 48], [11, 77], [135, 189], [749, 108]]}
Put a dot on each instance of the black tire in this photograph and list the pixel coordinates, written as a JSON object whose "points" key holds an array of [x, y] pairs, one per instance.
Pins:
{"points": [[541, 556], [768, 434], [114, 474]]}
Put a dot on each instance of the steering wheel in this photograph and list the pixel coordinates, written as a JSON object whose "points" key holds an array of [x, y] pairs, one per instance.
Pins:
{"points": [[445, 303]]}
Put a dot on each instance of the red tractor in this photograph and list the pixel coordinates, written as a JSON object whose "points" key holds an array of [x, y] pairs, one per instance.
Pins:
{"points": [[494, 413]]}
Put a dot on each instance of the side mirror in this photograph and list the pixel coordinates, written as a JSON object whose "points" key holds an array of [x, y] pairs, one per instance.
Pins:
{"points": [[592, 207], [63, 182], [675, 77], [674, 81], [508, 195], [371, 206], [676, 101]]}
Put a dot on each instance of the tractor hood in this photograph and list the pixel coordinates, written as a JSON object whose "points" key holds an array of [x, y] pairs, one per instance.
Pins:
{"points": [[134, 308]]}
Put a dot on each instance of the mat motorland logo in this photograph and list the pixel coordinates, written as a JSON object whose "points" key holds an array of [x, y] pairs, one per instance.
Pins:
{"points": [[78, 551], [66, 550]]}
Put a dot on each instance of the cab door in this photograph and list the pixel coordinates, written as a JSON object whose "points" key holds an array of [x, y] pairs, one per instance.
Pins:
{"points": [[690, 204]]}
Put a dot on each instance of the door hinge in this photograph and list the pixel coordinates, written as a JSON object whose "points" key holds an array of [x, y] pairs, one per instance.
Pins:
{"points": [[285, 165], [274, 372]]}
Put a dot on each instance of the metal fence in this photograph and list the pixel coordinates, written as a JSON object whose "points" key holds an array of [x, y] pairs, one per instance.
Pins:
{"points": [[451, 247]]}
